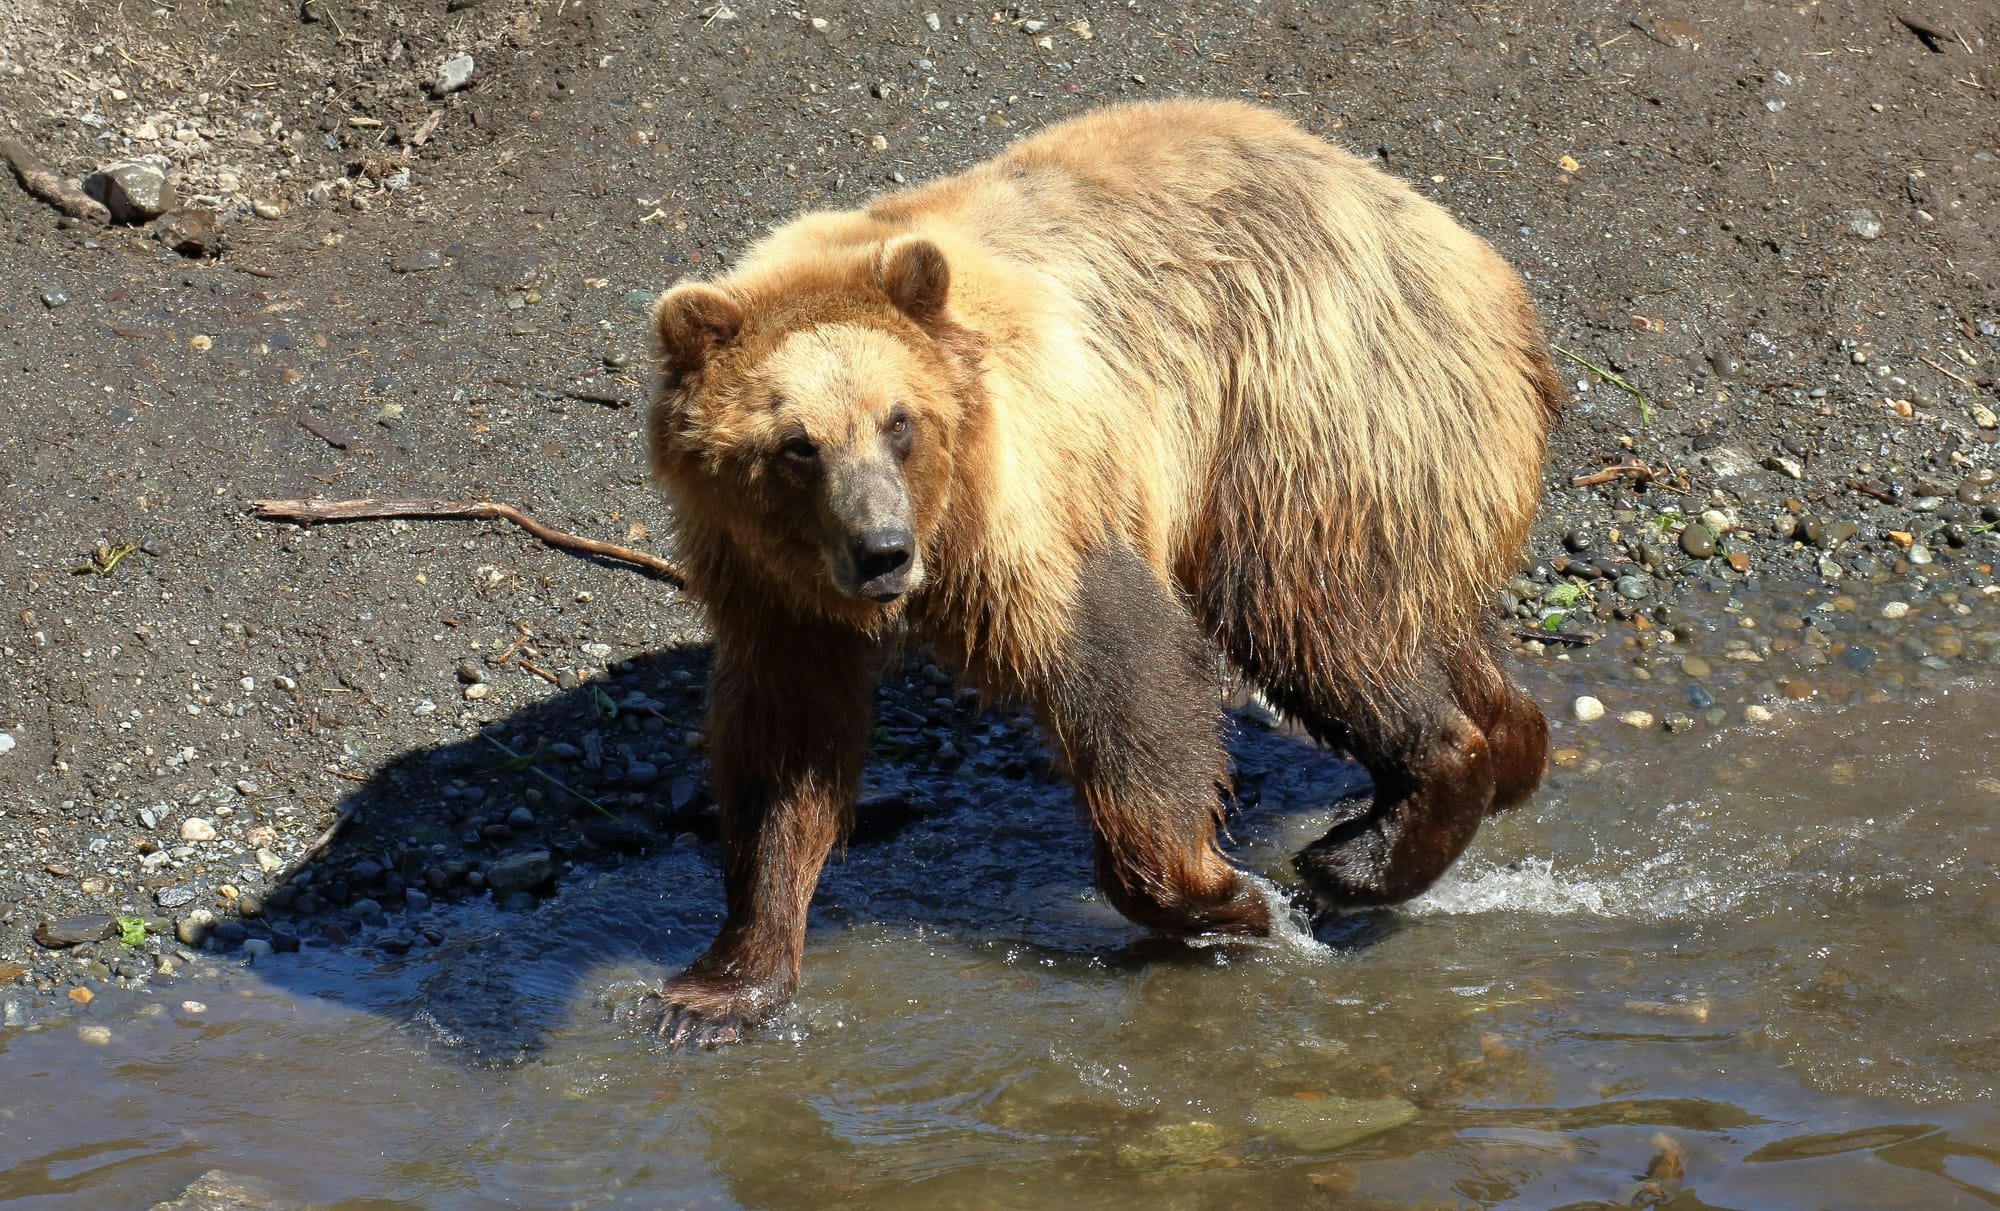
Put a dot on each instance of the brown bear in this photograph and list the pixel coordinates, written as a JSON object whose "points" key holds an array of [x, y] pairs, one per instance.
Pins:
{"points": [[1159, 380]]}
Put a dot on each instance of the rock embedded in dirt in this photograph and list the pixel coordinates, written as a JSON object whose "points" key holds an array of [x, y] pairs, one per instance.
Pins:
{"points": [[453, 75], [134, 191], [194, 828], [76, 931], [191, 232]]}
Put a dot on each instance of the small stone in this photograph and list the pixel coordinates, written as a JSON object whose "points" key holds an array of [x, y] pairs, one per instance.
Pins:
{"points": [[454, 74], [1578, 541], [1983, 417], [1895, 609], [134, 191], [1859, 657], [932, 22], [194, 828], [1587, 709], [1698, 540], [193, 929], [1920, 554], [1329, 1123], [90, 1032], [1785, 465], [6, 743], [269, 862], [266, 209], [417, 261], [53, 298], [1695, 666], [1638, 719], [1698, 696], [365, 910], [256, 948], [477, 691], [1634, 588], [76, 931], [191, 232], [642, 773], [1678, 722], [174, 897], [1865, 224], [520, 872]]}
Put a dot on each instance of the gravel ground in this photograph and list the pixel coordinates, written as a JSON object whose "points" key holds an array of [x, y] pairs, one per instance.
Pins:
{"points": [[1763, 239]]}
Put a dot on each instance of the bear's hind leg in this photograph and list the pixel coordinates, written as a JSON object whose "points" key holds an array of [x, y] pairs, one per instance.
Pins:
{"points": [[1517, 733], [1132, 701], [1434, 777]]}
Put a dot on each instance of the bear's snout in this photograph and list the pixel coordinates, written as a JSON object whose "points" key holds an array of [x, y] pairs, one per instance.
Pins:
{"points": [[873, 550], [882, 562]]}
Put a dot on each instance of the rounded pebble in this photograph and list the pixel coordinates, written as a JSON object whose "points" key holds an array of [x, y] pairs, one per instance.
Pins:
{"points": [[1698, 540], [1587, 709], [1895, 609], [1638, 719], [194, 828]]}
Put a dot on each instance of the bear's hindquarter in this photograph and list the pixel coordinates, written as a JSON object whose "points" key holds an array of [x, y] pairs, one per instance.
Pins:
{"points": [[1290, 384]]}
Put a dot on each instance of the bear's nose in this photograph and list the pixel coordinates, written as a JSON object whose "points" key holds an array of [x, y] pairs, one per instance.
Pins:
{"points": [[881, 554]]}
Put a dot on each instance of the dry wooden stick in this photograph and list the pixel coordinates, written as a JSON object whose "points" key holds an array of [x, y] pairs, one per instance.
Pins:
{"points": [[41, 180], [378, 509]]}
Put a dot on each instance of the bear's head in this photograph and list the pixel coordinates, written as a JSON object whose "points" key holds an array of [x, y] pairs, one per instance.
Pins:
{"points": [[806, 419]]}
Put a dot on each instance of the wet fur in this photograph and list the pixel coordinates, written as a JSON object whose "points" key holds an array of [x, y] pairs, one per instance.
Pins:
{"points": [[1183, 375]]}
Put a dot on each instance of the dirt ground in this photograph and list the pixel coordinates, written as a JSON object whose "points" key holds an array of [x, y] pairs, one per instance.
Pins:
{"points": [[1774, 223]]}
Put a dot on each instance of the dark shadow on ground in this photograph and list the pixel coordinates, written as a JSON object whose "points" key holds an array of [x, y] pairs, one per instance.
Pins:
{"points": [[477, 887]]}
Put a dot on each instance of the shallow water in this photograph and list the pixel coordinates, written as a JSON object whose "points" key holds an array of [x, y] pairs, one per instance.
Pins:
{"points": [[1765, 959]]}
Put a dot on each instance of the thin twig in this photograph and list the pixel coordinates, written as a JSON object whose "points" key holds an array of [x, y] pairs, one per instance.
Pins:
{"points": [[1881, 494], [539, 671], [1568, 641], [1958, 378], [378, 509], [41, 180], [529, 765], [1645, 409]]}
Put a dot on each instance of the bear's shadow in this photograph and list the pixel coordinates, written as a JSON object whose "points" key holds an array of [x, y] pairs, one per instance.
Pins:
{"points": [[478, 887]]}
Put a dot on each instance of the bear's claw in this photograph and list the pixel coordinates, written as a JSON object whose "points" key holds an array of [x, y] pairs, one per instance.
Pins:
{"points": [[697, 1031]]}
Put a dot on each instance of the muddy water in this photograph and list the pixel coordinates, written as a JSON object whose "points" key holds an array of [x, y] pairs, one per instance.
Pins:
{"points": [[1759, 969]]}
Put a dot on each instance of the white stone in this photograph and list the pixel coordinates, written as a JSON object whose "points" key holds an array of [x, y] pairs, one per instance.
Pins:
{"points": [[1895, 609], [1588, 709], [454, 74], [1638, 719], [194, 828]]}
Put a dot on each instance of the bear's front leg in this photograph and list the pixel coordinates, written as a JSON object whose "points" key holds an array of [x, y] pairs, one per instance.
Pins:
{"points": [[788, 725], [1134, 704]]}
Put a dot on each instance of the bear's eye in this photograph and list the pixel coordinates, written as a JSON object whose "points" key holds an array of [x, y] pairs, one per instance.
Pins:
{"points": [[800, 449], [899, 428]]}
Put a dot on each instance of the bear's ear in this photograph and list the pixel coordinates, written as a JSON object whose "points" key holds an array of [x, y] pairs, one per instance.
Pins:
{"points": [[915, 276], [692, 321]]}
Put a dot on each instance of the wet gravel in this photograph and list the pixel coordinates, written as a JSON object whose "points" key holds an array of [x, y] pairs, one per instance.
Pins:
{"points": [[225, 741]]}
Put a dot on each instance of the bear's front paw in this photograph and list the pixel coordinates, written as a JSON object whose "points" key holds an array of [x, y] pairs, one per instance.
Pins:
{"points": [[700, 1014]]}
